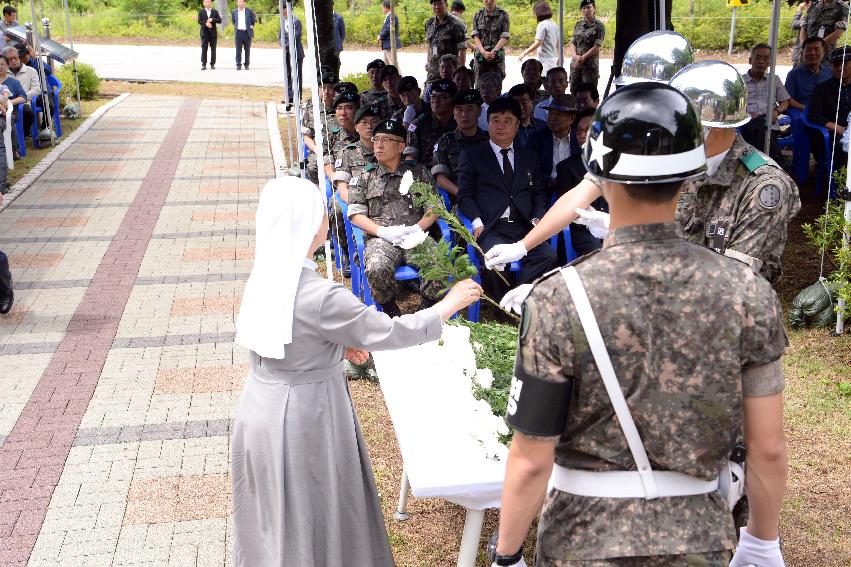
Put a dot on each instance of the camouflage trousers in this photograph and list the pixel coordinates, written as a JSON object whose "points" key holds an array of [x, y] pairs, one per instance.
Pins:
{"points": [[589, 75], [380, 261], [482, 67], [337, 226], [312, 168], [710, 559]]}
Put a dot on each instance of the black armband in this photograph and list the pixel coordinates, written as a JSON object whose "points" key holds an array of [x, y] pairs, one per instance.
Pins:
{"points": [[536, 406]]}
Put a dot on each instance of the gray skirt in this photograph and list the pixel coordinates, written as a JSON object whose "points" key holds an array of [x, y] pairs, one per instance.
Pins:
{"points": [[303, 490]]}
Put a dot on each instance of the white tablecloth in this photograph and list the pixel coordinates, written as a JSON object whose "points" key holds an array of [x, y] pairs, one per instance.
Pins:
{"points": [[428, 397]]}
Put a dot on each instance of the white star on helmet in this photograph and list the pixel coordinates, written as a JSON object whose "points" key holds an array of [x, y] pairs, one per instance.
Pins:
{"points": [[599, 150]]}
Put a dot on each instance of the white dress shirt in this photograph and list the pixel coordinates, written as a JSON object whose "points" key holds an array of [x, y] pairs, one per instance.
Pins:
{"points": [[561, 151], [477, 222], [240, 19]]}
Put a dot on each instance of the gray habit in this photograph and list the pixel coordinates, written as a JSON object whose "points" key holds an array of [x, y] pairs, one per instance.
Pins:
{"points": [[303, 490]]}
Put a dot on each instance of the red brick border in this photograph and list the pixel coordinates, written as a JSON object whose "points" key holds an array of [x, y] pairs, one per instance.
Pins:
{"points": [[34, 454]]}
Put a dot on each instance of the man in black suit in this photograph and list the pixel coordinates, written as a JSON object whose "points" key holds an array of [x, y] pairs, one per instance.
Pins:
{"points": [[244, 21], [501, 189], [557, 142], [208, 18], [284, 40]]}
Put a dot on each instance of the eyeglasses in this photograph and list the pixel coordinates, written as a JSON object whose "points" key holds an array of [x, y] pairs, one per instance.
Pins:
{"points": [[381, 140]]}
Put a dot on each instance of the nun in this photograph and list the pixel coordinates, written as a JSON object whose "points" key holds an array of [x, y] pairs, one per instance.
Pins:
{"points": [[303, 489]]}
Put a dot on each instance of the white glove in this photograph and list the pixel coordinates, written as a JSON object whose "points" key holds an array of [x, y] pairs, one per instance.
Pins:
{"points": [[596, 221], [395, 234], [521, 563], [757, 552], [503, 254], [513, 300], [413, 239]]}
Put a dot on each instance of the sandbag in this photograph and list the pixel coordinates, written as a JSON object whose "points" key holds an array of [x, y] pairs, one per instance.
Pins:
{"points": [[812, 307]]}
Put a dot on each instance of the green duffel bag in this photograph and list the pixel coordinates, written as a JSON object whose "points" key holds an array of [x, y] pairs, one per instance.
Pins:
{"points": [[813, 307]]}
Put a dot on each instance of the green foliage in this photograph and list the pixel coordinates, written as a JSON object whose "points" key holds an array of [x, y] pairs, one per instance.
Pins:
{"points": [[89, 81], [844, 389], [826, 235], [359, 79], [443, 263], [153, 11]]}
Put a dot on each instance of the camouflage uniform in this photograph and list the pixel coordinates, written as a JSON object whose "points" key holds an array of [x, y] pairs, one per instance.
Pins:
{"points": [[742, 210], [823, 19], [448, 150], [448, 37], [379, 98], [490, 28], [348, 166], [585, 36], [423, 134], [377, 196], [332, 130], [683, 383]]}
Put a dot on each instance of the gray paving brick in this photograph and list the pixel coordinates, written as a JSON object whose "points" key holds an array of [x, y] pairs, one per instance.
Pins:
{"points": [[168, 340], [11, 349]]}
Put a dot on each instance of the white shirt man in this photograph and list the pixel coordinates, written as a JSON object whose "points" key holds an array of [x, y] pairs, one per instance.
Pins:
{"points": [[240, 19]]}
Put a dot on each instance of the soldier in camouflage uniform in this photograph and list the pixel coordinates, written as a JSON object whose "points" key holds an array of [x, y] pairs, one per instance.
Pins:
{"points": [[327, 91], [392, 102], [688, 387], [387, 216], [588, 36], [445, 34], [428, 127], [376, 93], [490, 36], [466, 110], [825, 19], [346, 106]]}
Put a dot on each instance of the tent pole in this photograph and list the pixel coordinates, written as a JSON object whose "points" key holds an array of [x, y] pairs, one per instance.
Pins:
{"points": [[287, 100], [45, 99], [561, 34], [846, 243], [663, 17], [74, 62], [299, 81], [772, 41], [393, 32]]}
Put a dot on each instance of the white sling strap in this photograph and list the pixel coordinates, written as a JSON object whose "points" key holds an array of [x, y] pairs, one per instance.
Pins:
{"points": [[604, 365]]}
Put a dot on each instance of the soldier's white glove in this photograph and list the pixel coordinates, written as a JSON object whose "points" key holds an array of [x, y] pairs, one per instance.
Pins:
{"points": [[503, 254], [513, 300], [758, 552], [395, 234], [596, 221], [521, 563], [413, 238]]}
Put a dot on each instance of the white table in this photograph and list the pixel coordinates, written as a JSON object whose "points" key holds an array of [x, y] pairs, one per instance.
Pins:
{"points": [[426, 391]]}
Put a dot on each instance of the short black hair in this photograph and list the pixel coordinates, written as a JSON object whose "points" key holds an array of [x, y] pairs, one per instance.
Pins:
{"points": [[505, 104], [813, 39], [653, 193], [458, 6], [554, 70], [387, 4], [757, 47], [595, 94], [531, 62], [467, 71], [387, 71], [9, 10], [520, 90]]}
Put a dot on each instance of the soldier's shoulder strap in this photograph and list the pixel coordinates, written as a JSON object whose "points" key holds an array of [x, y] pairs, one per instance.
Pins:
{"points": [[753, 160], [369, 167]]}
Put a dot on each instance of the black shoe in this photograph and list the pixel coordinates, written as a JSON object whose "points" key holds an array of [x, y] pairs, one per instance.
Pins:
{"points": [[239, 67], [8, 298], [391, 309], [212, 66], [347, 268], [246, 66], [203, 67]]}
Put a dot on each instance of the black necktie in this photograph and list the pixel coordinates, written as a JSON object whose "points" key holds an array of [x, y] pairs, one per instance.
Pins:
{"points": [[507, 170]]}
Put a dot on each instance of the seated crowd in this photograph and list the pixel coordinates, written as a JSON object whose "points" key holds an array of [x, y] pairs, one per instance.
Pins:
{"points": [[501, 159]]}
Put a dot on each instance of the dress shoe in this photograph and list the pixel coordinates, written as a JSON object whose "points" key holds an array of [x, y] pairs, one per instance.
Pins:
{"points": [[390, 308], [6, 301], [239, 67], [246, 66], [203, 67], [212, 66], [347, 268]]}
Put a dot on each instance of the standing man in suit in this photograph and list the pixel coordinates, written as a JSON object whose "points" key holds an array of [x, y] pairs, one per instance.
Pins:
{"points": [[244, 21], [299, 50], [501, 189], [208, 18]]}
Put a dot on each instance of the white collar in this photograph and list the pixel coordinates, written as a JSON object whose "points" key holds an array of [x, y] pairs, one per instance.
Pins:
{"points": [[308, 263], [498, 150], [714, 162]]}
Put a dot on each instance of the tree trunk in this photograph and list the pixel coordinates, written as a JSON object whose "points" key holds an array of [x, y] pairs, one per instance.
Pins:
{"points": [[691, 8], [327, 53]]}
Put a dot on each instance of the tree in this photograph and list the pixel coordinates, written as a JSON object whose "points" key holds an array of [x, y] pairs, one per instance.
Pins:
{"points": [[326, 51]]}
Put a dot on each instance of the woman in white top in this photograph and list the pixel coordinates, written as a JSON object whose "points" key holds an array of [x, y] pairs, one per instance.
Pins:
{"points": [[546, 36]]}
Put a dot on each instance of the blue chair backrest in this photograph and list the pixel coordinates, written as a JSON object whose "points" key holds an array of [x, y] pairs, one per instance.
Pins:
{"points": [[54, 82]]}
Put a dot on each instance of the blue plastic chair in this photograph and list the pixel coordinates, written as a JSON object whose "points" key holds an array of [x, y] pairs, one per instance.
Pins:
{"points": [[403, 273], [55, 87], [822, 162], [357, 273], [799, 142], [19, 129]]}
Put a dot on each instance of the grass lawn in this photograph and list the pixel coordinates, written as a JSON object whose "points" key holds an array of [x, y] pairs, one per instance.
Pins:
{"points": [[815, 525]]}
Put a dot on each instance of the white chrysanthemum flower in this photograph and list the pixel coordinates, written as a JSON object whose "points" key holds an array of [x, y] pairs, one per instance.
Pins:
{"points": [[407, 181]]}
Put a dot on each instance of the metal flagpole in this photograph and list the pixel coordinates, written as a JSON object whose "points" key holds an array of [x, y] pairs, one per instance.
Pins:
{"points": [[663, 17], [45, 99], [561, 33], [297, 81], [769, 115], [310, 58], [393, 33], [287, 100], [732, 32], [74, 62]]}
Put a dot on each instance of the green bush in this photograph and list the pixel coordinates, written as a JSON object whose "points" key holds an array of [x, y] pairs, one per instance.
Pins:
{"points": [[359, 79], [89, 81], [154, 11]]}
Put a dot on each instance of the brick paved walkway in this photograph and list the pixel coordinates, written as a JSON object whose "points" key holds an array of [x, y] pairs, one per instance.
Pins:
{"points": [[118, 375]]}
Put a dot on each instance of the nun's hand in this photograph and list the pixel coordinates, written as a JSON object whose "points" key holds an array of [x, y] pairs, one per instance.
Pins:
{"points": [[462, 294], [356, 356]]}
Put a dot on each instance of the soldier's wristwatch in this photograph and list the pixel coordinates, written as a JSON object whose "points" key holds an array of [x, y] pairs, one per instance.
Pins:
{"points": [[493, 558]]}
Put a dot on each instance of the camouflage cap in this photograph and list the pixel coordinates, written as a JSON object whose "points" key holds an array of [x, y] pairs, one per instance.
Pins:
{"points": [[444, 86], [840, 54], [468, 96], [391, 127], [584, 3], [406, 84], [368, 110], [375, 64], [328, 76], [347, 96], [345, 87]]}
